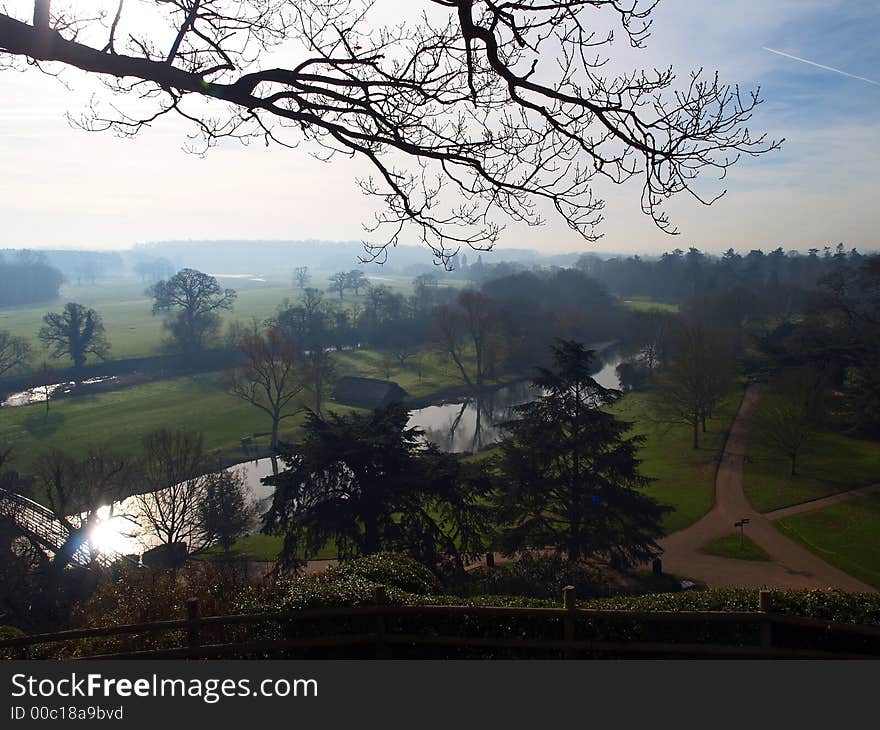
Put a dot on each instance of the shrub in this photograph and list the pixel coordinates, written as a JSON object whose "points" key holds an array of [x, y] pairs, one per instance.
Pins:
{"points": [[540, 577]]}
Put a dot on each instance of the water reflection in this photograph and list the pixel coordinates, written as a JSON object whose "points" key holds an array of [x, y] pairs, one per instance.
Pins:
{"points": [[122, 529], [472, 424], [42, 393], [468, 425]]}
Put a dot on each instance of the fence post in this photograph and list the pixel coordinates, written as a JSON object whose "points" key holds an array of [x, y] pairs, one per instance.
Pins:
{"points": [[381, 600], [193, 639], [569, 598], [765, 605]]}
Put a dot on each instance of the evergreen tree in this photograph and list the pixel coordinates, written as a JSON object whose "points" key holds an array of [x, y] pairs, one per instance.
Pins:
{"points": [[569, 474], [368, 483]]}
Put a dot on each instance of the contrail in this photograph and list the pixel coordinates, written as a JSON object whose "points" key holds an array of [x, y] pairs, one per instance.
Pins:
{"points": [[819, 65]]}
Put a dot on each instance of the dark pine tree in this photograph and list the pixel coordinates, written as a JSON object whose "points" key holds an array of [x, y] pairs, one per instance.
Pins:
{"points": [[568, 473], [367, 483]]}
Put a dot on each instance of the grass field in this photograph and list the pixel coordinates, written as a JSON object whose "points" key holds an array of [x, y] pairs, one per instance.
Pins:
{"points": [[732, 546], [649, 305], [685, 478], [120, 418], [831, 463], [844, 534], [197, 402], [132, 329]]}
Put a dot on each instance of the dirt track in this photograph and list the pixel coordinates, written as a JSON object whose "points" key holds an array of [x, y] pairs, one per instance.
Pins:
{"points": [[791, 566]]}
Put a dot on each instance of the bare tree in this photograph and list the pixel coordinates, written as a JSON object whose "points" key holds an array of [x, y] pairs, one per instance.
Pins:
{"points": [[173, 466], [339, 282], [473, 113], [319, 372], [195, 299], [786, 418], [76, 488], [467, 333], [699, 377], [301, 276], [15, 353], [271, 377]]}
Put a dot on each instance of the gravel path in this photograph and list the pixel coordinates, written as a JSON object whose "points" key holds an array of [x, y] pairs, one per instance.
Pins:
{"points": [[791, 565]]}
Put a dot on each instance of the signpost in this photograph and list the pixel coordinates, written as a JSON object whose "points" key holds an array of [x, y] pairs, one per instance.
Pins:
{"points": [[741, 525]]}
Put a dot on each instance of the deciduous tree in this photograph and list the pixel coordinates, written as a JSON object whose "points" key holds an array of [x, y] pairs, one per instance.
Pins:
{"points": [[75, 332], [194, 299], [271, 377], [470, 114]]}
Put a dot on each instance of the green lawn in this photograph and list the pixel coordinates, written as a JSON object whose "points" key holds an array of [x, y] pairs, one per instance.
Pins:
{"points": [[844, 534], [121, 417], [649, 305], [264, 548], [732, 546], [685, 478], [831, 463], [197, 402]]}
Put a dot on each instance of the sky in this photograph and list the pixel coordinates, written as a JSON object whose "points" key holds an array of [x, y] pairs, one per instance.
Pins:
{"points": [[64, 187]]}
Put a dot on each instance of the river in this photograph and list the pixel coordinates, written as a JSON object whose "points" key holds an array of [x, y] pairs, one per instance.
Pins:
{"points": [[459, 426]]}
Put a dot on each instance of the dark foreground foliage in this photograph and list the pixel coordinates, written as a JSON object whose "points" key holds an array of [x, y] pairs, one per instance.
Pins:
{"points": [[134, 597]]}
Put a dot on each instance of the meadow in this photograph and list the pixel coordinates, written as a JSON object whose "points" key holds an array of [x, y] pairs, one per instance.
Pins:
{"points": [[831, 463], [684, 477], [844, 534], [134, 331]]}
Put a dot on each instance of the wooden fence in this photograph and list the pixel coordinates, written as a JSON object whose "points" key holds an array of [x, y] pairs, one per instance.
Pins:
{"points": [[382, 641]]}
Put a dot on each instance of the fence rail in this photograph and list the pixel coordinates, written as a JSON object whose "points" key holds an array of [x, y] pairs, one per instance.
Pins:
{"points": [[383, 639]]}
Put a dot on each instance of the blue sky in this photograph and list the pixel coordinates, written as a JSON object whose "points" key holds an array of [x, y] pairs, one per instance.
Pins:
{"points": [[63, 187]]}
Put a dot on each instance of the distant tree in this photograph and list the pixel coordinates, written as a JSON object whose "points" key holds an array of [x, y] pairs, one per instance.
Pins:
{"points": [[195, 300], [568, 474], [339, 283], [699, 376], [357, 280], [172, 466], [386, 365], [15, 353], [301, 276], [368, 483], [318, 373], [306, 324], [75, 332], [225, 510], [787, 415], [465, 332], [271, 377]]}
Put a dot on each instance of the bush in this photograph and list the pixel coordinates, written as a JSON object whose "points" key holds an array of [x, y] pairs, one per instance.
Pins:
{"points": [[389, 569], [540, 577]]}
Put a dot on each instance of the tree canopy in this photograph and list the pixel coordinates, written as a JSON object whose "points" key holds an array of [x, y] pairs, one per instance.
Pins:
{"points": [[471, 113], [194, 299], [368, 483], [76, 332]]}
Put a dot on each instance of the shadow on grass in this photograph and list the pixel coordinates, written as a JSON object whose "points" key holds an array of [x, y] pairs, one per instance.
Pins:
{"points": [[43, 424]]}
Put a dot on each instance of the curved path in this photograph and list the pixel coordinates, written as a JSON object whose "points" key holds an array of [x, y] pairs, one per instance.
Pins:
{"points": [[791, 565]]}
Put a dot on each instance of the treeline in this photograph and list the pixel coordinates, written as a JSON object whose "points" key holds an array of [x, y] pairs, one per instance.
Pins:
{"points": [[27, 278], [508, 323], [778, 279]]}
